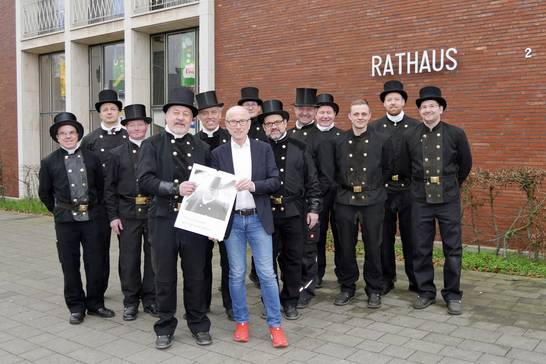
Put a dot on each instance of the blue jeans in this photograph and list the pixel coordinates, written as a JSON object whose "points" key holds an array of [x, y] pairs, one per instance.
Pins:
{"points": [[249, 228]]}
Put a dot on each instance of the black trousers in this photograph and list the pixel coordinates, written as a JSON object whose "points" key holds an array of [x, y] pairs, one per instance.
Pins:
{"points": [[168, 243], [69, 237], [224, 265], [135, 285], [105, 233], [327, 218], [309, 263], [370, 218], [397, 207], [424, 217], [288, 241]]}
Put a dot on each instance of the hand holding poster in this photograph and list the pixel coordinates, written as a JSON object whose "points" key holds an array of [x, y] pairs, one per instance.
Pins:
{"points": [[208, 209]]}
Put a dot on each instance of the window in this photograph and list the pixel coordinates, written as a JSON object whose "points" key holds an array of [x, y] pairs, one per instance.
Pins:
{"points": [[174, 64], [52, 96], [107, 71]]}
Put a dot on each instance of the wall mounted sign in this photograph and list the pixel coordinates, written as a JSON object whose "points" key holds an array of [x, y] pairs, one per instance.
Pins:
{"points": [[405, 63]]}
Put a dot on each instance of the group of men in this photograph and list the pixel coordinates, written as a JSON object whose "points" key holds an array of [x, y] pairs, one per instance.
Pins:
{"points": [[294, 185]]}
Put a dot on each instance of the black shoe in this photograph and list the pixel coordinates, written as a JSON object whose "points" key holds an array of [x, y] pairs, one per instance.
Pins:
{"points": [[151, 310], [343, 298], [202, 338], [319, 282], [163, 341], [374, 300], [76, 318], [229, 314], [454, 307], [291, 312], [254, 278], [423, 302], [130, 313], [102, 312], [387, 288], [305, 298]]}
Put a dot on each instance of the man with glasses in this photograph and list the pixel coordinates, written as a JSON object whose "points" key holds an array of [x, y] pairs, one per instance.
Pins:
{"points": [[437, 158], [163, 170], [294, 206], [253, 163]]}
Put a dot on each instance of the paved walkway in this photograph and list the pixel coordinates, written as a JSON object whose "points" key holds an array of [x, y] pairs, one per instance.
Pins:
{"points": [[504, 320]]}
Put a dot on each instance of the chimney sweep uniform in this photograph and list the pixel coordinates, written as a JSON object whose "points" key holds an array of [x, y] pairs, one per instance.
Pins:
{"points": [[100, 141], [298, 195], [165, 162], [362, 164], [398, 204], [71, 187], [256, 129], [218, 137], [124, 201], [438, 162]]}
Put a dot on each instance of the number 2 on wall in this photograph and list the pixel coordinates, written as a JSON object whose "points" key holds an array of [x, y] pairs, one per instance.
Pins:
{"points": [[528, 53]]}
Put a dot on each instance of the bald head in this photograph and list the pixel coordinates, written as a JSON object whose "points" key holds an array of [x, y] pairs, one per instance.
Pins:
{"points": [[238, 123]]}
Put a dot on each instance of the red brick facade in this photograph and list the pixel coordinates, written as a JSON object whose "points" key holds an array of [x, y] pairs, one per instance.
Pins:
{"points": [[496, 94], [8, 99]]}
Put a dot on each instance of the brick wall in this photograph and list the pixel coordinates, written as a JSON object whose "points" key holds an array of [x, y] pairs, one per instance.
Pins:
{"points": [[8, 98], [496, 94]]}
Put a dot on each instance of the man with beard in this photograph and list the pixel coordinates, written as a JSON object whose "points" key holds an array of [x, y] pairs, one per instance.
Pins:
{"points": [[163, 170], [294, 206], [209, 114], [109, 135], [437, 157], [398, 204]]}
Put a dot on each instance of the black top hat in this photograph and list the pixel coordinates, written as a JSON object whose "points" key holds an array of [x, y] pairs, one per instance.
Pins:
{"points": [[204, 100], [181, 96], [250, 94], [135, 112], [431, 93], [327, 100], [273, 107], [65, 118], [306, 97], [108, 96], [393, 86]]}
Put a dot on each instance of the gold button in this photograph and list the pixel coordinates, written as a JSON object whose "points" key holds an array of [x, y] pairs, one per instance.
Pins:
{"points": [[282, 169], [438, 146], [69, 171], [283, 158], [124, 136], [73, 185], [65, 157], [175, 181], [102, 149], [426, 159], [81, 169], [189, 154], [304, 133], [365, 141], [438, 134], [174, 153], [437, 158], [350, 169], [172, 141], [364, 169], [134, 151], [365, 154], [350, 156], [101, 136], [384, 125], [284, 146], [405, 126], [350, 142], [189, 167]]}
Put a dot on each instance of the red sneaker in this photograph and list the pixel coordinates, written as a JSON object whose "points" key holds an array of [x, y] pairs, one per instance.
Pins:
{"points": [[241, 332], [278, 339]]}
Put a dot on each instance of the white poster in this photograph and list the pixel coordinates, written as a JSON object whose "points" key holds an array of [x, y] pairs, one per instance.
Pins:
{"points": [[208, 209]]}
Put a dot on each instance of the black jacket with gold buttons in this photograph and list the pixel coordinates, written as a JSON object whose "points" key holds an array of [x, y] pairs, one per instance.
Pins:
{"points": [[362, 165], [300, 191], [164, 163], [100, 143], [438, 161]]}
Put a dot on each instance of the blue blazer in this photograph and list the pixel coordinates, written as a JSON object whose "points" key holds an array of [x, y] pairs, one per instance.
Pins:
{"points": [[265, 176]]}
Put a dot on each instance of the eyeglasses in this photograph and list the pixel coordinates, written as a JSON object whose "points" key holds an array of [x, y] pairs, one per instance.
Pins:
{"points": [[277, 123], [238, 122]]}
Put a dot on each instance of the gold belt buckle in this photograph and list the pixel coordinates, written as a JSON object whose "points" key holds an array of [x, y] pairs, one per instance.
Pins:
{"points": [[277, 200], [435, 179], [141, 200], [357, 189], [82, 208], [394, 178]]}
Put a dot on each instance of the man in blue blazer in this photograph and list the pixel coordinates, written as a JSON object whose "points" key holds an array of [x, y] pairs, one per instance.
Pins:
{"points": [[253, 162]]}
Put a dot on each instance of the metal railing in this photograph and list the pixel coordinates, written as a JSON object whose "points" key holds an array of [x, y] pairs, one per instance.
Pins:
{"points": [[86, 12], [41, 17], [144, 6]]}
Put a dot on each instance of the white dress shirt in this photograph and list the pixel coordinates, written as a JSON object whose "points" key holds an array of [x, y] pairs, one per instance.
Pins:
{"points": [[242, 168]]}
